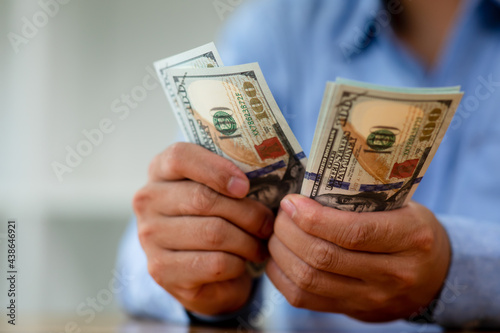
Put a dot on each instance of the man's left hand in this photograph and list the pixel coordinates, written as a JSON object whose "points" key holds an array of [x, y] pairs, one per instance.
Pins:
{"points": [[376, 266]]}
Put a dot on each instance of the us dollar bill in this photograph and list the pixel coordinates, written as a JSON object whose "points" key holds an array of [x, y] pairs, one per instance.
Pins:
{"points": [[231, 112], [205, 56], [373, 144]]}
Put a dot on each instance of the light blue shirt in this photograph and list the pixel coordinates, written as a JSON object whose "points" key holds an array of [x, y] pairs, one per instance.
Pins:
{"points": [[302, 44]]}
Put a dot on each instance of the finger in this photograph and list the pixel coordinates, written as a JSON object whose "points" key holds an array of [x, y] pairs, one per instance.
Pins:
{"points": [[329, 257], [310, 279], [218, 297], [183, 198], [368, 305], [191, 269], [189, 161], [388, 232], [207, 234], [300, 298]]}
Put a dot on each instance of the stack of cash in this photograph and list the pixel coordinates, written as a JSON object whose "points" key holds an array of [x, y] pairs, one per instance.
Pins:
{"points": [[373, 144], [371, 148]]}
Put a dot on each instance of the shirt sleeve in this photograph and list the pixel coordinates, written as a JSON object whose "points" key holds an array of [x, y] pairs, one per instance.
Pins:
{"points": [[470, 296], [141, 296]]}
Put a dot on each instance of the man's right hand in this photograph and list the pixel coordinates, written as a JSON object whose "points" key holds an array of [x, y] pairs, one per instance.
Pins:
{"points": [[198, 229]]}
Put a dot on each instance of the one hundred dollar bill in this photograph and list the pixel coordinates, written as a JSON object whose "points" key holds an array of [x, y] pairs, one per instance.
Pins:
{"points": [[205, 56], [373, 144], [231, 112]]}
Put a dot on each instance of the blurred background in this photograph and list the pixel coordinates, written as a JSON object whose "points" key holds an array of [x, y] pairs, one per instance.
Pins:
{"points": [[64, 64]]}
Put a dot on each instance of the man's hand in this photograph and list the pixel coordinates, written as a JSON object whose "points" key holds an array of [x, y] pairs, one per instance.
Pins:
{"points": [[371, 266], [198, 229]]}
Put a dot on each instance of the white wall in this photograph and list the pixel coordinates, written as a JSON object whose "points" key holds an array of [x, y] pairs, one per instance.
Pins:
{"points": [[63, 81]]}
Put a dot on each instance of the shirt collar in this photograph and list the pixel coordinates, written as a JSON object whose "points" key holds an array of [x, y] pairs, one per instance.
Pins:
{"points": [[365, 22]]}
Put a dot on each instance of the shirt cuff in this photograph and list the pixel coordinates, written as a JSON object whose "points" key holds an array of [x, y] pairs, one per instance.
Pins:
{"points": [[470, 297], [137, 292]]}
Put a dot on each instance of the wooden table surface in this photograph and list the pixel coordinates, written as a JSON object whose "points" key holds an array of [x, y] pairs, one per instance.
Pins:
{"points": [[123, 324]]}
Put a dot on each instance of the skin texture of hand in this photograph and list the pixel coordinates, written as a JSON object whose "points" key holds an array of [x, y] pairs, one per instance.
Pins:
{"points": [[376, 266], [198, 229]]}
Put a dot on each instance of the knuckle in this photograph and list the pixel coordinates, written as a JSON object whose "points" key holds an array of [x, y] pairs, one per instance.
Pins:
{"points": [[171, 159], [296, 298], [203, 199], [425, 240], [255, 216], [189, 294], [356, 235], [223, 174], [377, 300], [187, 286], [304, 277], [214, 233], [307, 220], [220, 180], [141, 201], [322, 256], [156, 160], [217, 265], [144, 232], [229, 168], [405, 279], [155, 269]]}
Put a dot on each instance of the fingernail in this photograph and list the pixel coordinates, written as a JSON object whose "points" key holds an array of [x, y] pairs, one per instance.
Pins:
{"points": [[288, 207], [237, 187], [267, 228]]}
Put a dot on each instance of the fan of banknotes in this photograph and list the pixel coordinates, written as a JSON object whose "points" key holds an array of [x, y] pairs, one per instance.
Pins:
{"points": [[231, 112], [371, 147]]}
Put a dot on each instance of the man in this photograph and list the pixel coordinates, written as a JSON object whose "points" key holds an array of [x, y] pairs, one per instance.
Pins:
{"points": [[435, 260]]}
